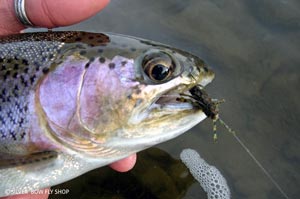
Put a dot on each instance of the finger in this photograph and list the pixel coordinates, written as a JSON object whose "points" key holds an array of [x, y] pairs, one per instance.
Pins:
{"points": [[8, 21], [54, 13], [125, 164], [48, 13], [41, 194]]}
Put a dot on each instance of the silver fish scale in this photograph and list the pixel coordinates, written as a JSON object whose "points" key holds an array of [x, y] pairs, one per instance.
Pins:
{"points": [[21, 66]]}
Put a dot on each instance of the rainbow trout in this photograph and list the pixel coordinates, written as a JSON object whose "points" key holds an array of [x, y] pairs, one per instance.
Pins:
{"points": [[74, 101]]}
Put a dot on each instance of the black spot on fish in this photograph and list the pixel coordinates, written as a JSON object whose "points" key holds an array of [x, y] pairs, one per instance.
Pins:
{"points": [[82, 52], [100, 50], [25, 108], [133, 49], [129, 96], [25, 62], [105, 37], [91, 37], [6, 75], [24, 82], [16, 66], [23, 135], [102, 60], [124, 63], [37, 65], [3, 91], [92, 59], [87, 65], [32, 78], [205, 68], [15, 75], [21, 121], [13, 134], [111, 65], [1, 119], [45, 70], [78, 39]]}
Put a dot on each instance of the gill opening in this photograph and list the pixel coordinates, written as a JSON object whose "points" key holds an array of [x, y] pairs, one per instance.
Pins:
{"points": [[77, 113]]}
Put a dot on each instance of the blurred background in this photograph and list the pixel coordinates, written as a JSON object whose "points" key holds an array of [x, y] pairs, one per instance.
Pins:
{"points": [[253, 47]]}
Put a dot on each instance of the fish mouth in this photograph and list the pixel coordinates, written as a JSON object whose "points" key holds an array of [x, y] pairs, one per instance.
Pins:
{"points": [[168, 105], [182, 99], [173, 101]]}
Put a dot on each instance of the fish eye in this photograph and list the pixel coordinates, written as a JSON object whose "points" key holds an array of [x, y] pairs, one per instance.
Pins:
{"points": [[158, 66]]}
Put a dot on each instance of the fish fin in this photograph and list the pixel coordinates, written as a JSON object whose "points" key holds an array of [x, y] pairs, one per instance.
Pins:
{"points": [[49, 171], [14, 160]]}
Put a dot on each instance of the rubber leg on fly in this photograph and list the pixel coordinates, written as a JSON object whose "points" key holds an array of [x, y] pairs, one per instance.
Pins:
{"points": [[215, 136]]}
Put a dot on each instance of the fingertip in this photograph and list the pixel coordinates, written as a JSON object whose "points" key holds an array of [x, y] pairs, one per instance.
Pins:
{"points": [[125, 164]]}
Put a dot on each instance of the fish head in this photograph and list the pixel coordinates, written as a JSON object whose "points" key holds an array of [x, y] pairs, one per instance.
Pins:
{"points": [[124, 97]]}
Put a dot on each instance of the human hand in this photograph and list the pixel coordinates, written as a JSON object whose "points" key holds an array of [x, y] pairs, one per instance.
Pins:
{"points": [[50, 14]]}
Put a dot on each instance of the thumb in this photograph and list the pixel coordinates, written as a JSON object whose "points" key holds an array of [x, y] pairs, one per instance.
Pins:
{"points": [[48, 13]]}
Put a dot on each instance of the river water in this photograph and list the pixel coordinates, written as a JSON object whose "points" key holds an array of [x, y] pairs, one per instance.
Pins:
{"points": [[253, 47]]}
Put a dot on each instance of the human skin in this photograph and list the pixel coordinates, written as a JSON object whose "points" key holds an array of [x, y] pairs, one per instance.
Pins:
{"points": [[51, 14]]}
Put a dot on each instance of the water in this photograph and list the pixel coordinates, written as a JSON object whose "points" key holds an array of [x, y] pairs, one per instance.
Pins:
{"points": [[253, 47]]}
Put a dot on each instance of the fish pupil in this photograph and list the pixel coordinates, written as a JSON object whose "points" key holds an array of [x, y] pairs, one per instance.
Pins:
{"points": [[160, 72]]}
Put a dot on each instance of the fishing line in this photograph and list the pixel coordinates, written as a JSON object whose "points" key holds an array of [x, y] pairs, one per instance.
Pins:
{"points": [[254, 158]]}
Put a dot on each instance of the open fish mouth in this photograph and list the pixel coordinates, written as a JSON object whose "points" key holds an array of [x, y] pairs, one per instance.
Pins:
{"points": [[175, 101], [172, 102], [190, 99]]}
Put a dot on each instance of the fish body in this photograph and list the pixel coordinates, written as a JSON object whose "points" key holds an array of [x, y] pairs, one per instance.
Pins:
{"points": [[74, 101]]}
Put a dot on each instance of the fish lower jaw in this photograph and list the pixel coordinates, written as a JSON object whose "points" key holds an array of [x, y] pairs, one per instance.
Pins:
{"points": [[157, 132]]}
